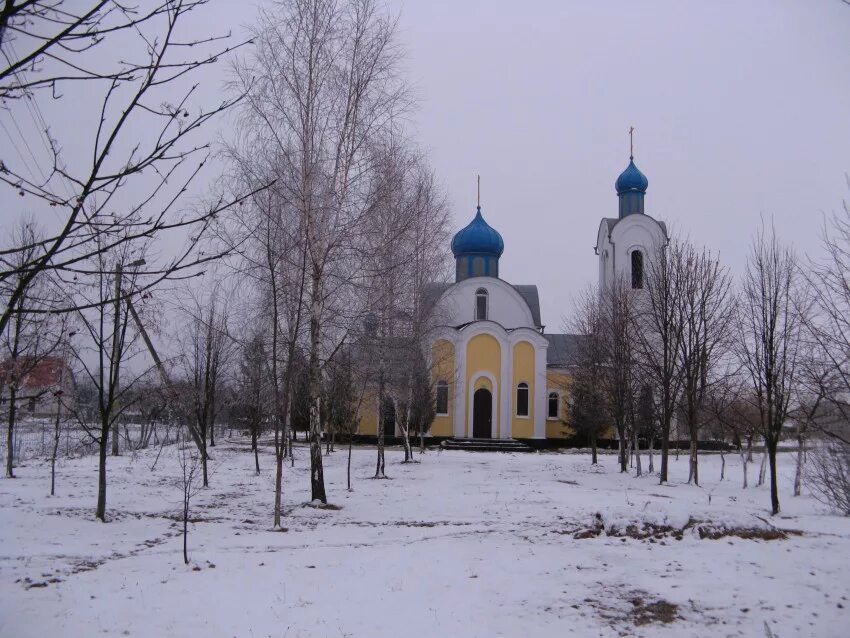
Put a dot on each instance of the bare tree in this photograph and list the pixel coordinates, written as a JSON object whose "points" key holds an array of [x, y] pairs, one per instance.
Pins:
{"points": [[105, 347], [206, 348], [769, 323], [707, 313], [253, 402], [588, 407], [619, 380], [659, 336], [333, 86], [828, 322], [124, 187], [828, 475], [189, 460], [27, 341]]}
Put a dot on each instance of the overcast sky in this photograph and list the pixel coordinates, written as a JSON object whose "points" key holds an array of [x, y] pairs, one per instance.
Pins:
{"points": [[741, 108]]}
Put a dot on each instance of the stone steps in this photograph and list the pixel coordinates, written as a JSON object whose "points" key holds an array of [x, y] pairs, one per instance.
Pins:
{"points": [[485, 445]]}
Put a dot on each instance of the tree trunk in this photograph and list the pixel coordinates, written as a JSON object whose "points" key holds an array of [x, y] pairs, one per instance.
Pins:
{"points": [[256, 451], [204, 454], [665, 451], [636, 448], [722, 464], [185, 529], [651, 461], [10, 432], [798, 475], [624, 457], [693, 472], [763, 466], [56, 430], [593, 459], [744, 462], [348, 469], [379, 466], [100, 512], [317, 478], [774, 490]]}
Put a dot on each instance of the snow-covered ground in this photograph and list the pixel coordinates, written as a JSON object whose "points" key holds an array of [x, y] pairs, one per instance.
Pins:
{"points": [[460, 544]]}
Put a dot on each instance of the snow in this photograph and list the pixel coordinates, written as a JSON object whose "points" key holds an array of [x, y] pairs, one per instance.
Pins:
{"points": [[460, 544]]}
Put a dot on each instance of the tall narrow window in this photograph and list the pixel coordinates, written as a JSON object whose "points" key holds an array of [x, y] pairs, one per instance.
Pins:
{"points": [[522, 399], [637, 269], [442, 397], [552, 411], [481, 304]]}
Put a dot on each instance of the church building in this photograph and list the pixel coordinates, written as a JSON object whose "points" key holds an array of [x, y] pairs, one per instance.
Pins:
{"points": [[498, 374]]}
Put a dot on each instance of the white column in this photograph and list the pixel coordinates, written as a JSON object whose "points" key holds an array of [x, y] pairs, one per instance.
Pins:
{"points": [[460, 388], [540, 392], [507, 387]]}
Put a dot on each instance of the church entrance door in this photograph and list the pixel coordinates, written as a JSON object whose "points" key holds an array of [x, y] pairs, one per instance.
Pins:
{"points": [[482, 414]]}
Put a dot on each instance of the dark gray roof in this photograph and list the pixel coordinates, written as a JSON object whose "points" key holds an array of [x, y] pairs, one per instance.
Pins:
{"points": [[529, 293], [433, 291], [563, 350]]}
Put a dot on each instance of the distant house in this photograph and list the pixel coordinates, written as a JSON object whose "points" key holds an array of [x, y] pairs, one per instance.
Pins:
{"points": [[40, 385]]}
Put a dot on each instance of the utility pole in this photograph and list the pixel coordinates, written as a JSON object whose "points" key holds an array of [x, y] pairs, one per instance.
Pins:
{"points": [[114, 367]]}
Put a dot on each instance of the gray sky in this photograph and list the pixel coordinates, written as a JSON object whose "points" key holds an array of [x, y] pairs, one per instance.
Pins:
{"points": [[740, 109]]}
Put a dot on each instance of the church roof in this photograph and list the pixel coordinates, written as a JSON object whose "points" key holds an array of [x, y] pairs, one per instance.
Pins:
{"points": [[529, 293], [610, 222], [478, 238], [631, 180], [563, 350], [434, 291]]}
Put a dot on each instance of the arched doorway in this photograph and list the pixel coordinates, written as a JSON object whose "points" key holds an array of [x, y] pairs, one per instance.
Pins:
{"points": [[389, 417], [482, 414]]}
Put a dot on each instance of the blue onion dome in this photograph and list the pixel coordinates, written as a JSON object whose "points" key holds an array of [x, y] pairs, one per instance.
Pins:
{"points": [[631, 180], [478, 238]]}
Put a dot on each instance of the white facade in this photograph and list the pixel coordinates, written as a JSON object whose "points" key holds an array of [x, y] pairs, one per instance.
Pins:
{"points": [[505, 305], [617, 239], [509, 321]]}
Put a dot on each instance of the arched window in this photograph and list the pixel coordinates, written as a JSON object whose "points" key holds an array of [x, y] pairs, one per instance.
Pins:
{"points": [[552, 406], [442, 397], [481, 304], [522, 399], [637, 269]]}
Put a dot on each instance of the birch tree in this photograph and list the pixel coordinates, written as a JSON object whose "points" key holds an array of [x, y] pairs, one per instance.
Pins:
{"points": [[323, 83]]}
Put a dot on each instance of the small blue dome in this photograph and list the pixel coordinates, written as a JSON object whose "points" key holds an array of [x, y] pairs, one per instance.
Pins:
{"points": [[478, 238], [631, 180]]}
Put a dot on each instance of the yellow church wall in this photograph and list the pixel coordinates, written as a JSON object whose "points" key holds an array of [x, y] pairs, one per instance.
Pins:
{"points": [[523, 364], [368, 414], [483, 354], [443, 369], [557, 381]]}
